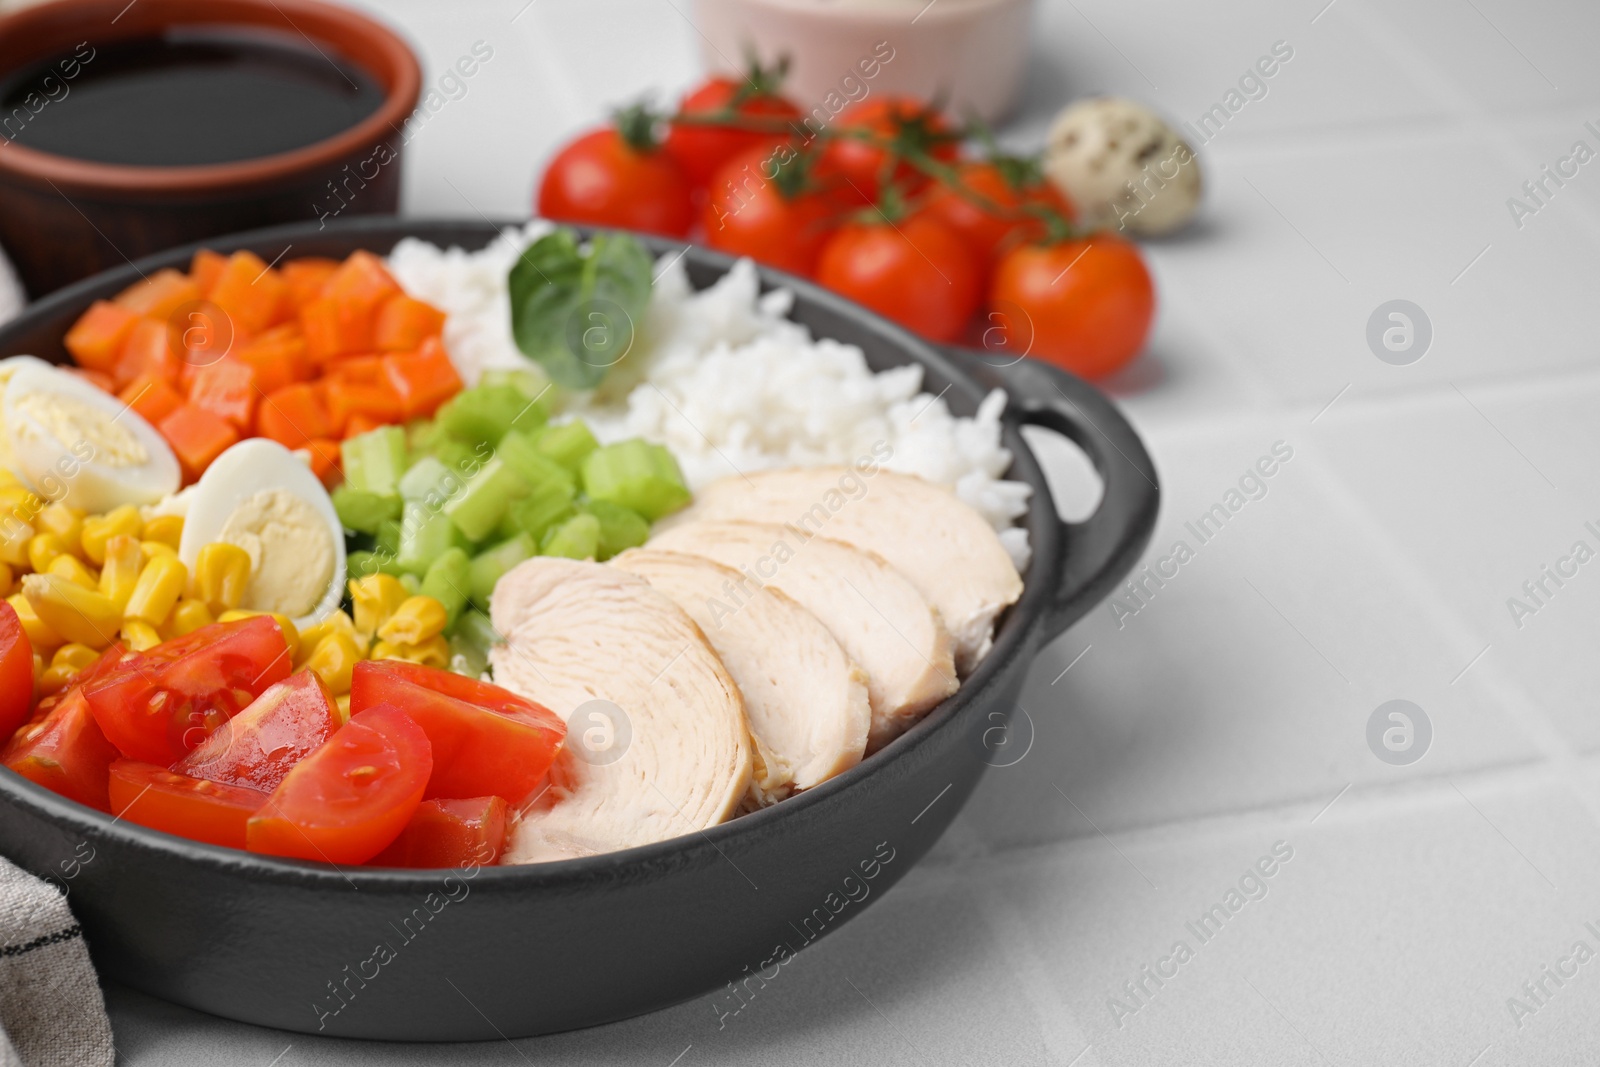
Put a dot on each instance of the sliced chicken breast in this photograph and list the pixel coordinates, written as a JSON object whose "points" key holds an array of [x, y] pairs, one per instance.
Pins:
{"points": [[945, 547], [805, 700], [657, 743], [873, 610]]}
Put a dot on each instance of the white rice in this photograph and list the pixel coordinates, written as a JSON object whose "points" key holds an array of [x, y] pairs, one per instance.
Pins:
{"points": [[725, 381]]}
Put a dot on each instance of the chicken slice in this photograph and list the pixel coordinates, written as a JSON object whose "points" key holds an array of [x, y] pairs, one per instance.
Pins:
{"points": [[805, 701], [657, 743], [874, 612], [945, 547]]}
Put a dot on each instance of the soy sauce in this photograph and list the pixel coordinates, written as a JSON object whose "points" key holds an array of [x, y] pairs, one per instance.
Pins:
{"points": [[187, 98]]}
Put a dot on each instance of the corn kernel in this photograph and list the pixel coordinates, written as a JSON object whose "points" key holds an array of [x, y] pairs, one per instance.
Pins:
{"points": [[187, 616], [418, 619], [42, 549], [334, 658], [76, 613], [98, 529], [338, 622], [38, 660], [6, 578], [139, 636], [343, 704], [53, 680], [221, 574], [73, 655], [124, 558], [286, 624], [157, 589], [168, 529], [152, 549], [20, 501], [72, 569], [40, 636], [66, 523], [434, 652], [7, 478], [374, 599], [15, 536]]}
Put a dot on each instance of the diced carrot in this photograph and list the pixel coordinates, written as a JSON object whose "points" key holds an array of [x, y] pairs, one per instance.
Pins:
{"points": [[424, 379], [403, 323], [324, 455], [206, 268], [148, 351], [198, 437], [100, 380], [227, 389], [347, 399], [333, 329], [250, 292], [362, 281], [360, 424], [293, 415], [276, 364], [152, 398], [159, 295], [96, 339], [364, 369], [306, 277]]}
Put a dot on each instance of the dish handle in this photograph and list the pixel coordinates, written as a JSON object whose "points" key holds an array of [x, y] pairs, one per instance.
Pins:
{"points": [[1095, 553]]}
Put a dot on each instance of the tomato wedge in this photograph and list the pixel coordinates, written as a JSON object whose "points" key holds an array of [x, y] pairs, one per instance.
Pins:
{"points": [[450, 833], [486, 740], [162, 703], [259, 746], [16, 671], [177, 804], [350, 798], [61, 747]]}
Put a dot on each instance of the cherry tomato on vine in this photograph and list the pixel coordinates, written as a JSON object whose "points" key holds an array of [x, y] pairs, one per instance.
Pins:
{"points": [[618, 177], [908, 126], [1085, 305], [918, 272], [702, 150], [990, 208], [763, 204]]}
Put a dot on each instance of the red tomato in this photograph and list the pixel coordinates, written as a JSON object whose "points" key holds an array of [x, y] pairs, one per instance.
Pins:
{"points": [[602, 180], [916, 272], [258, 746], [188, 807], [761, 206], [1085, 305], [350, 798], [702, 150], [450, 833], [65, 752], [985, 228], [16, 672], [910, 124], [159, 704], [485, 740]]}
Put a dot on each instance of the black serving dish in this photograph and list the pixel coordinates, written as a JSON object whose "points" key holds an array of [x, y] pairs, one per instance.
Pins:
{"points": [[520, 951]]}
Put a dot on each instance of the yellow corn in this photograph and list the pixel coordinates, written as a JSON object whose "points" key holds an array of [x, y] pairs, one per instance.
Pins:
{"points": [[286, 624], [139, 636], [98, 529], [336, 623], [157, 589], [77, 614], [168, 529], [7, 478], [40, 635], [72, 569], [73, 655], [6, 578], [38, 660], [334, 657], [374, 599], [15, 536], [343, 704], [415, 621], [66, 523], [152, 549], [53, 680], [124, 557], [433, 652], [187, 617], [20, 501], [42, 548], [221, 573]]}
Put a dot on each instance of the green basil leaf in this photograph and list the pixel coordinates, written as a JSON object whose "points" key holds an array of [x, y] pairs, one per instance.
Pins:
{"points": [[576, 312]]}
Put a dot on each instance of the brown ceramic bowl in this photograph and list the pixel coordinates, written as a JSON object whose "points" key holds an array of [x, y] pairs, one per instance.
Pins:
{"points": [[63, 219]]}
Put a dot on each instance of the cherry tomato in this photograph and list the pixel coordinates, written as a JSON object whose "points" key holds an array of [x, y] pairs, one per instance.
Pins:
{"points": [[485, 740], [761, 205], [450, 833], [1010, 189], [65, 752], [157, 705], [603, 180], [176, 804], [16, 672], [917, 272], [350, 798], [702, 150], [912, 125], [258, 746], [1085, 305]]}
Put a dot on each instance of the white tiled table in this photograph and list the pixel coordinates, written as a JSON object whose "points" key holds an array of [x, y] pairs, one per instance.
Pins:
{"points": [[1231, 712]]}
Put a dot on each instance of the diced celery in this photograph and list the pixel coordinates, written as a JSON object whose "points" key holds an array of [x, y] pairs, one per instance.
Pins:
{"points": [[425, 535], [475, 626], [425, 477], [637, 475], [620, 528], [484, 413], [446, 581], [467, 658], [360, 509], [386, 541], [534, 467], [366, 564], [375, 460], [529, 381], [423, 436], [577, 538], [568, 444], [490, 564], [456, 455], [478, 507], [544, 506], [412, 583]]}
